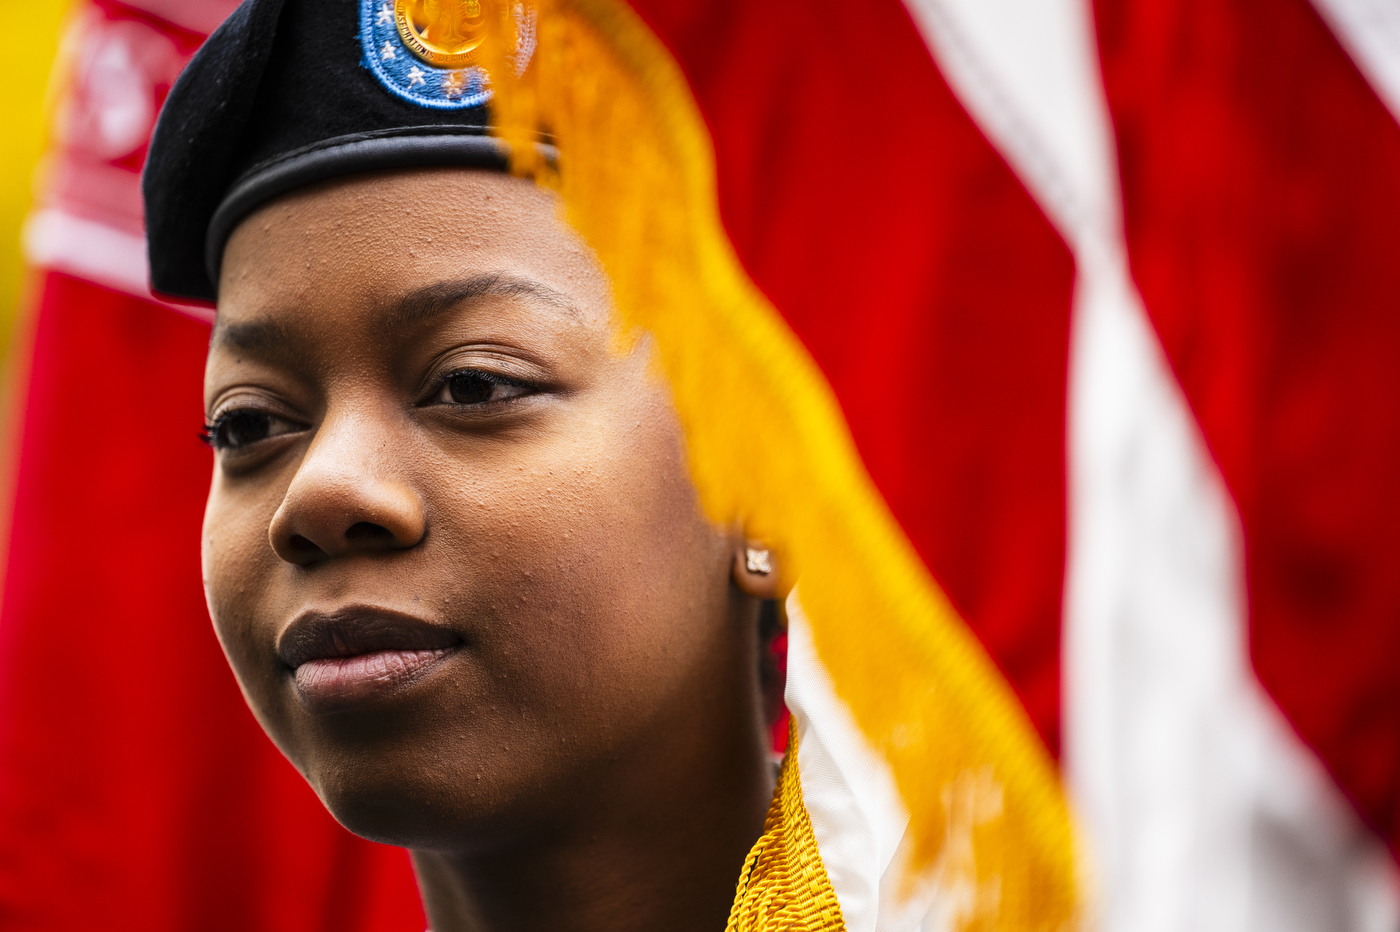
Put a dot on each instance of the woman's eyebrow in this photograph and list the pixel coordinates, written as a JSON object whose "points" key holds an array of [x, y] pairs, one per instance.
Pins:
{"points": [[262, 336], [421, 307], [269, 336]]}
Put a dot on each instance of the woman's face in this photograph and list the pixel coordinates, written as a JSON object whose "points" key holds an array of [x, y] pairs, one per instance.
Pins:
{"points": [[451, 548]]}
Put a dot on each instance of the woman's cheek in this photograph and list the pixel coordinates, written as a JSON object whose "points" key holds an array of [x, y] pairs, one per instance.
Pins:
{"points": [[237, 562]]}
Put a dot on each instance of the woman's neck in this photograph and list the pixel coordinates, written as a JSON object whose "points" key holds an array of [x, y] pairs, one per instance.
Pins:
{"points": [[661, 849]]}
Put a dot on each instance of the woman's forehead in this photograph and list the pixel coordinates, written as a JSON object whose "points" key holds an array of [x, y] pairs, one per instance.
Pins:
{"points": [[367, 269], [386, 238], [409, 206]]}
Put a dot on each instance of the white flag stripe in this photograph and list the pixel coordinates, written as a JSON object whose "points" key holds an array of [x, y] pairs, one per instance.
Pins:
{"points": [[60, 241], [1203, 810], [1028, 74], [198, 15], [1370, 32]]}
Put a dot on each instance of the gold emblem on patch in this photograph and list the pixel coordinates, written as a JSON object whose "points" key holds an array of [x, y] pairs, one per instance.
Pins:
{"points": [[445, 33]]}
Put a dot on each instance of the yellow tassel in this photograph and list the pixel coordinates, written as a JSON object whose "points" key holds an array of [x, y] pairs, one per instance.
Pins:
{"points": [[784, 887]]}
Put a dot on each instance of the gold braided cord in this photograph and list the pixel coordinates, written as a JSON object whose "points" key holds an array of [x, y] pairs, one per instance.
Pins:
{"points": [[769, 449], [784, 887]]}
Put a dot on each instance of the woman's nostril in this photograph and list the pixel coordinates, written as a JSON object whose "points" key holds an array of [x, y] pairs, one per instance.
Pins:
{"points": [[364, 532], [360, 537], [302, 545]]}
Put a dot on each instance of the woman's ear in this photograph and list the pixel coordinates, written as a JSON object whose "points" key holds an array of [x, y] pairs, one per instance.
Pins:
{"points": [[755, 570]]}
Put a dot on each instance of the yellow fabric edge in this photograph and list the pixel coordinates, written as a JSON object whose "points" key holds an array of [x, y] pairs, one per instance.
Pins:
{"points": [[769, 448]]}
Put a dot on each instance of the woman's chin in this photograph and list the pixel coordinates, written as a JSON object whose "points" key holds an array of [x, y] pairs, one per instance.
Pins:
{"points": [[422, 806], [389, 820]]}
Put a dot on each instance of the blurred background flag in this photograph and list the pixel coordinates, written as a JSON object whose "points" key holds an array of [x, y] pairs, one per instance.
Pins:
{"points": [[1106, 298]]}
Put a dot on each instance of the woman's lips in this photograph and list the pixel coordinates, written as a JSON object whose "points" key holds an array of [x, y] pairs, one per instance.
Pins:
{"points": [[353, 657], [336, 683]]}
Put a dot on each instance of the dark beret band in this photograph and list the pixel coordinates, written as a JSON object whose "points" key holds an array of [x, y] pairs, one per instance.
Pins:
{"points": [[361, 152]]}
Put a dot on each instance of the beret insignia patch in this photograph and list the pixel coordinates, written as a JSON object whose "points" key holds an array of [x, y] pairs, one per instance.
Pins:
{"points": [[425, 51]]}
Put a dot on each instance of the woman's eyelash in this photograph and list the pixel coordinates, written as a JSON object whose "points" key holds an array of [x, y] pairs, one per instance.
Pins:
{"points": [[477, 386], [215, 433], [243, 427]]}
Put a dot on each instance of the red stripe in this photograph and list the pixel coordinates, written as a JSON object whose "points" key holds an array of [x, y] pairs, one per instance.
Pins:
{"points": [[136, 790], [1261, 179], [922, 277]]}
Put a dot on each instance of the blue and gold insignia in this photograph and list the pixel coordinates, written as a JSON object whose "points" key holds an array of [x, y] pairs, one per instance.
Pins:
{"points": [[426, 51]]}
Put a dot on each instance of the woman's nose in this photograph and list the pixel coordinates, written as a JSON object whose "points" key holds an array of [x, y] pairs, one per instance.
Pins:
{"points": [[346, 498]]}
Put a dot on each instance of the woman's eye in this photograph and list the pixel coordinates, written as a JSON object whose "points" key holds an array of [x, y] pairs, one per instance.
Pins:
{"points": [[471, 387], [244, 427]]}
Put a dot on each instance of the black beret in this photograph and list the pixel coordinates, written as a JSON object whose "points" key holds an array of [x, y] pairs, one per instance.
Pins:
{"points": [[290, 92]]}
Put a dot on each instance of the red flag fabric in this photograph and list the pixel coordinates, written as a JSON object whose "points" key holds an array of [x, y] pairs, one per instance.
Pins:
{"points": [[1261, 187]]}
